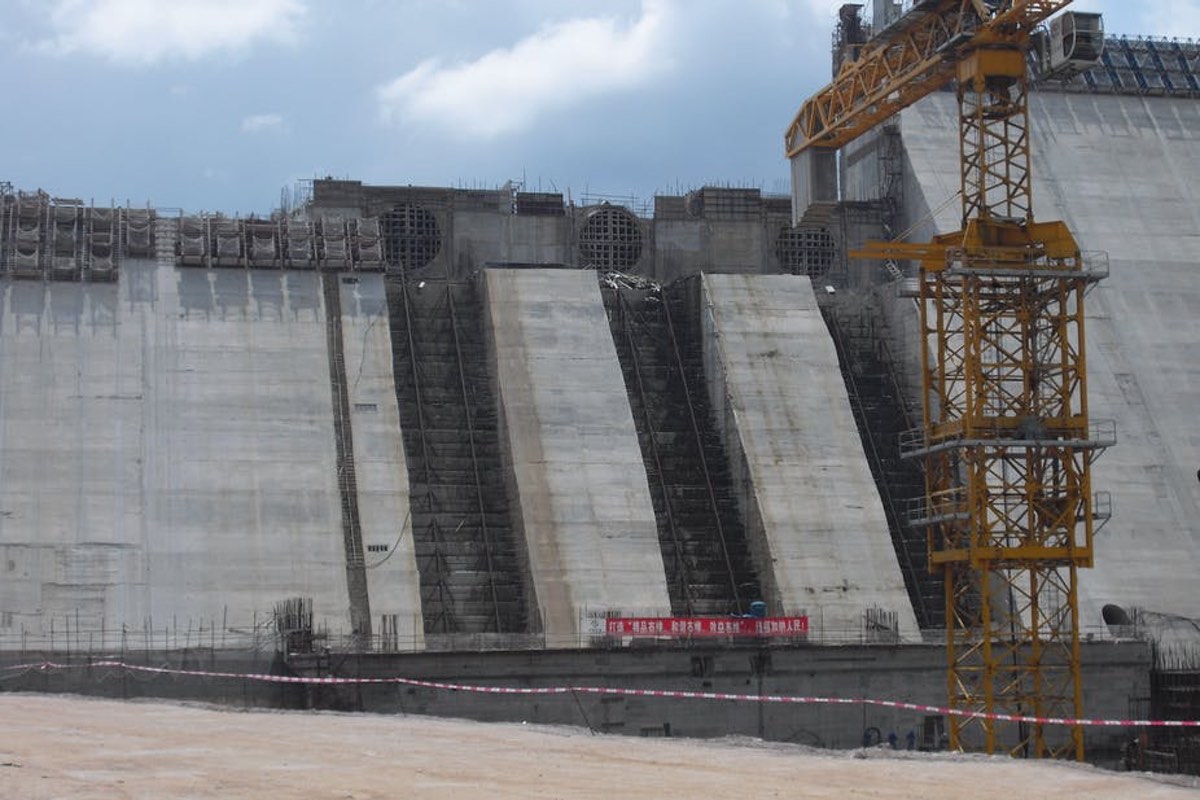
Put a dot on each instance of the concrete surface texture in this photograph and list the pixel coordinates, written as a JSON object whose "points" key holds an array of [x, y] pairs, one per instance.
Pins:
{"points": [[1116, 674], [1124, 174], [809, 496], [381, 474], [582, 497], [166, 453]]}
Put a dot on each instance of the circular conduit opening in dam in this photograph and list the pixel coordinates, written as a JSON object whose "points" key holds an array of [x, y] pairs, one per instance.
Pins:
{"points": [[611, 239], [411, 237], [1119, 621], [805, 251]]}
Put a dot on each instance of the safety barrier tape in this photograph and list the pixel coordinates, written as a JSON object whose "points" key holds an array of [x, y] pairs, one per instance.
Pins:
{"points": [[617, 691]]}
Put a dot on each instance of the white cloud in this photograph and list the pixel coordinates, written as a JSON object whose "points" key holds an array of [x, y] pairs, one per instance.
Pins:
{"points": [[828, 8], [506, 89], [1173, 18], [147, 31], [261, 123]]}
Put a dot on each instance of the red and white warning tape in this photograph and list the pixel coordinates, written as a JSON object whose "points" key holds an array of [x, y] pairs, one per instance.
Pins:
{"points": [[616, 691]]}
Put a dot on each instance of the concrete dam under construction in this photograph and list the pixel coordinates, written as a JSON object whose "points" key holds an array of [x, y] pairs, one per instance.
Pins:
{"points": [[432, 453], [460, 427]]}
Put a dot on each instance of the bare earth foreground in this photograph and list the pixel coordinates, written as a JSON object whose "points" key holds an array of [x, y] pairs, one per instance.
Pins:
{"points": [[76, 747]]}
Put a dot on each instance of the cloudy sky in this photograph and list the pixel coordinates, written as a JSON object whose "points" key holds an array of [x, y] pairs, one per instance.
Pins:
{"points": [[218, 104]]}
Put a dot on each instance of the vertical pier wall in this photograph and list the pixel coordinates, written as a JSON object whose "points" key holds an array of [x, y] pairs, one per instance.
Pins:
{"points": [[808, 493], [583, 501]]}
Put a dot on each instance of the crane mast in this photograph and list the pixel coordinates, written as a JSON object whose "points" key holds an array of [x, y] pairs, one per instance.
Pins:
{"points": [[1006, 441]]}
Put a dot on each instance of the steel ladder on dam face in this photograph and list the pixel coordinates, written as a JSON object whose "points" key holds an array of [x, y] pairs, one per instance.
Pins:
{"points": [[356, 577], [467, 555], [706, 555]]}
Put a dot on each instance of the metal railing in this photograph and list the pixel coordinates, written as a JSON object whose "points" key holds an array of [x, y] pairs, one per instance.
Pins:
{"points": [[1102, 433], [21, 646]]}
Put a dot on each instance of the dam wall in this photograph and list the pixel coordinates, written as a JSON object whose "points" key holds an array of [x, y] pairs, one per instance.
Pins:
{"points": [[1122, 171], [381, 477], [580, 485], [167, 452], [441, 232], [1116, 679], [807, 491]]}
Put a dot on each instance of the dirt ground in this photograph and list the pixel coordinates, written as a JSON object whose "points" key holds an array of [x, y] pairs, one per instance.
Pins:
{"points": [[75, 747]]}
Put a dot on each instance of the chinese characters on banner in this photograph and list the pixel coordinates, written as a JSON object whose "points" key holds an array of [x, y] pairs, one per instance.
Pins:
{"points": [[706, 626]]}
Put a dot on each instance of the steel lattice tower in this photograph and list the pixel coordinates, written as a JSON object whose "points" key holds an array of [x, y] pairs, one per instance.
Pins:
{"points": [[1007, 440]]}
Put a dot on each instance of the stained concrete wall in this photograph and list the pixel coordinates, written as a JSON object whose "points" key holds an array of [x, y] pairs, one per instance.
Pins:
{"points": [[811, 504], [583, 500], [1124, 174], [685, 247], [167, 454], [718, 230], [1115, 675], [381, 474], [711, 230]]}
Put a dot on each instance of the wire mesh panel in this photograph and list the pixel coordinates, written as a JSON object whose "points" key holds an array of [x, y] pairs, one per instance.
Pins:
{"points": [[101, 239], [29, 234], [193, 241], [611, 239], [411, 236], [262, 243], [139, 233], [227, 242], [368, 247], [298, 242], [805, 251], [334, 246]]}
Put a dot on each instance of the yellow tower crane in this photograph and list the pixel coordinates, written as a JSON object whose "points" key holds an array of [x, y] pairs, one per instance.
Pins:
{"points": [[1006, 442]]}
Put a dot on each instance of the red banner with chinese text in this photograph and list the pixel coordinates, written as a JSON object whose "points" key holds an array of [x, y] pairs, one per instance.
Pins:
{"points": [[706, 626]]}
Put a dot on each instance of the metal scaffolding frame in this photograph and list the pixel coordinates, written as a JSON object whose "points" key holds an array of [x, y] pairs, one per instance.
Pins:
{"points": [[806, 250], [706, 558], [411, 237], [1155, 67], [356, 574], [326, 243], [1007, 441], [471, 572], [610, 239], [54, 238], [702, 537], [882, 415]]}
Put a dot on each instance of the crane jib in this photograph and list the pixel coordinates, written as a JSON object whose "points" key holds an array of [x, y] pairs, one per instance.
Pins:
{"points": [[911, 58]]}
